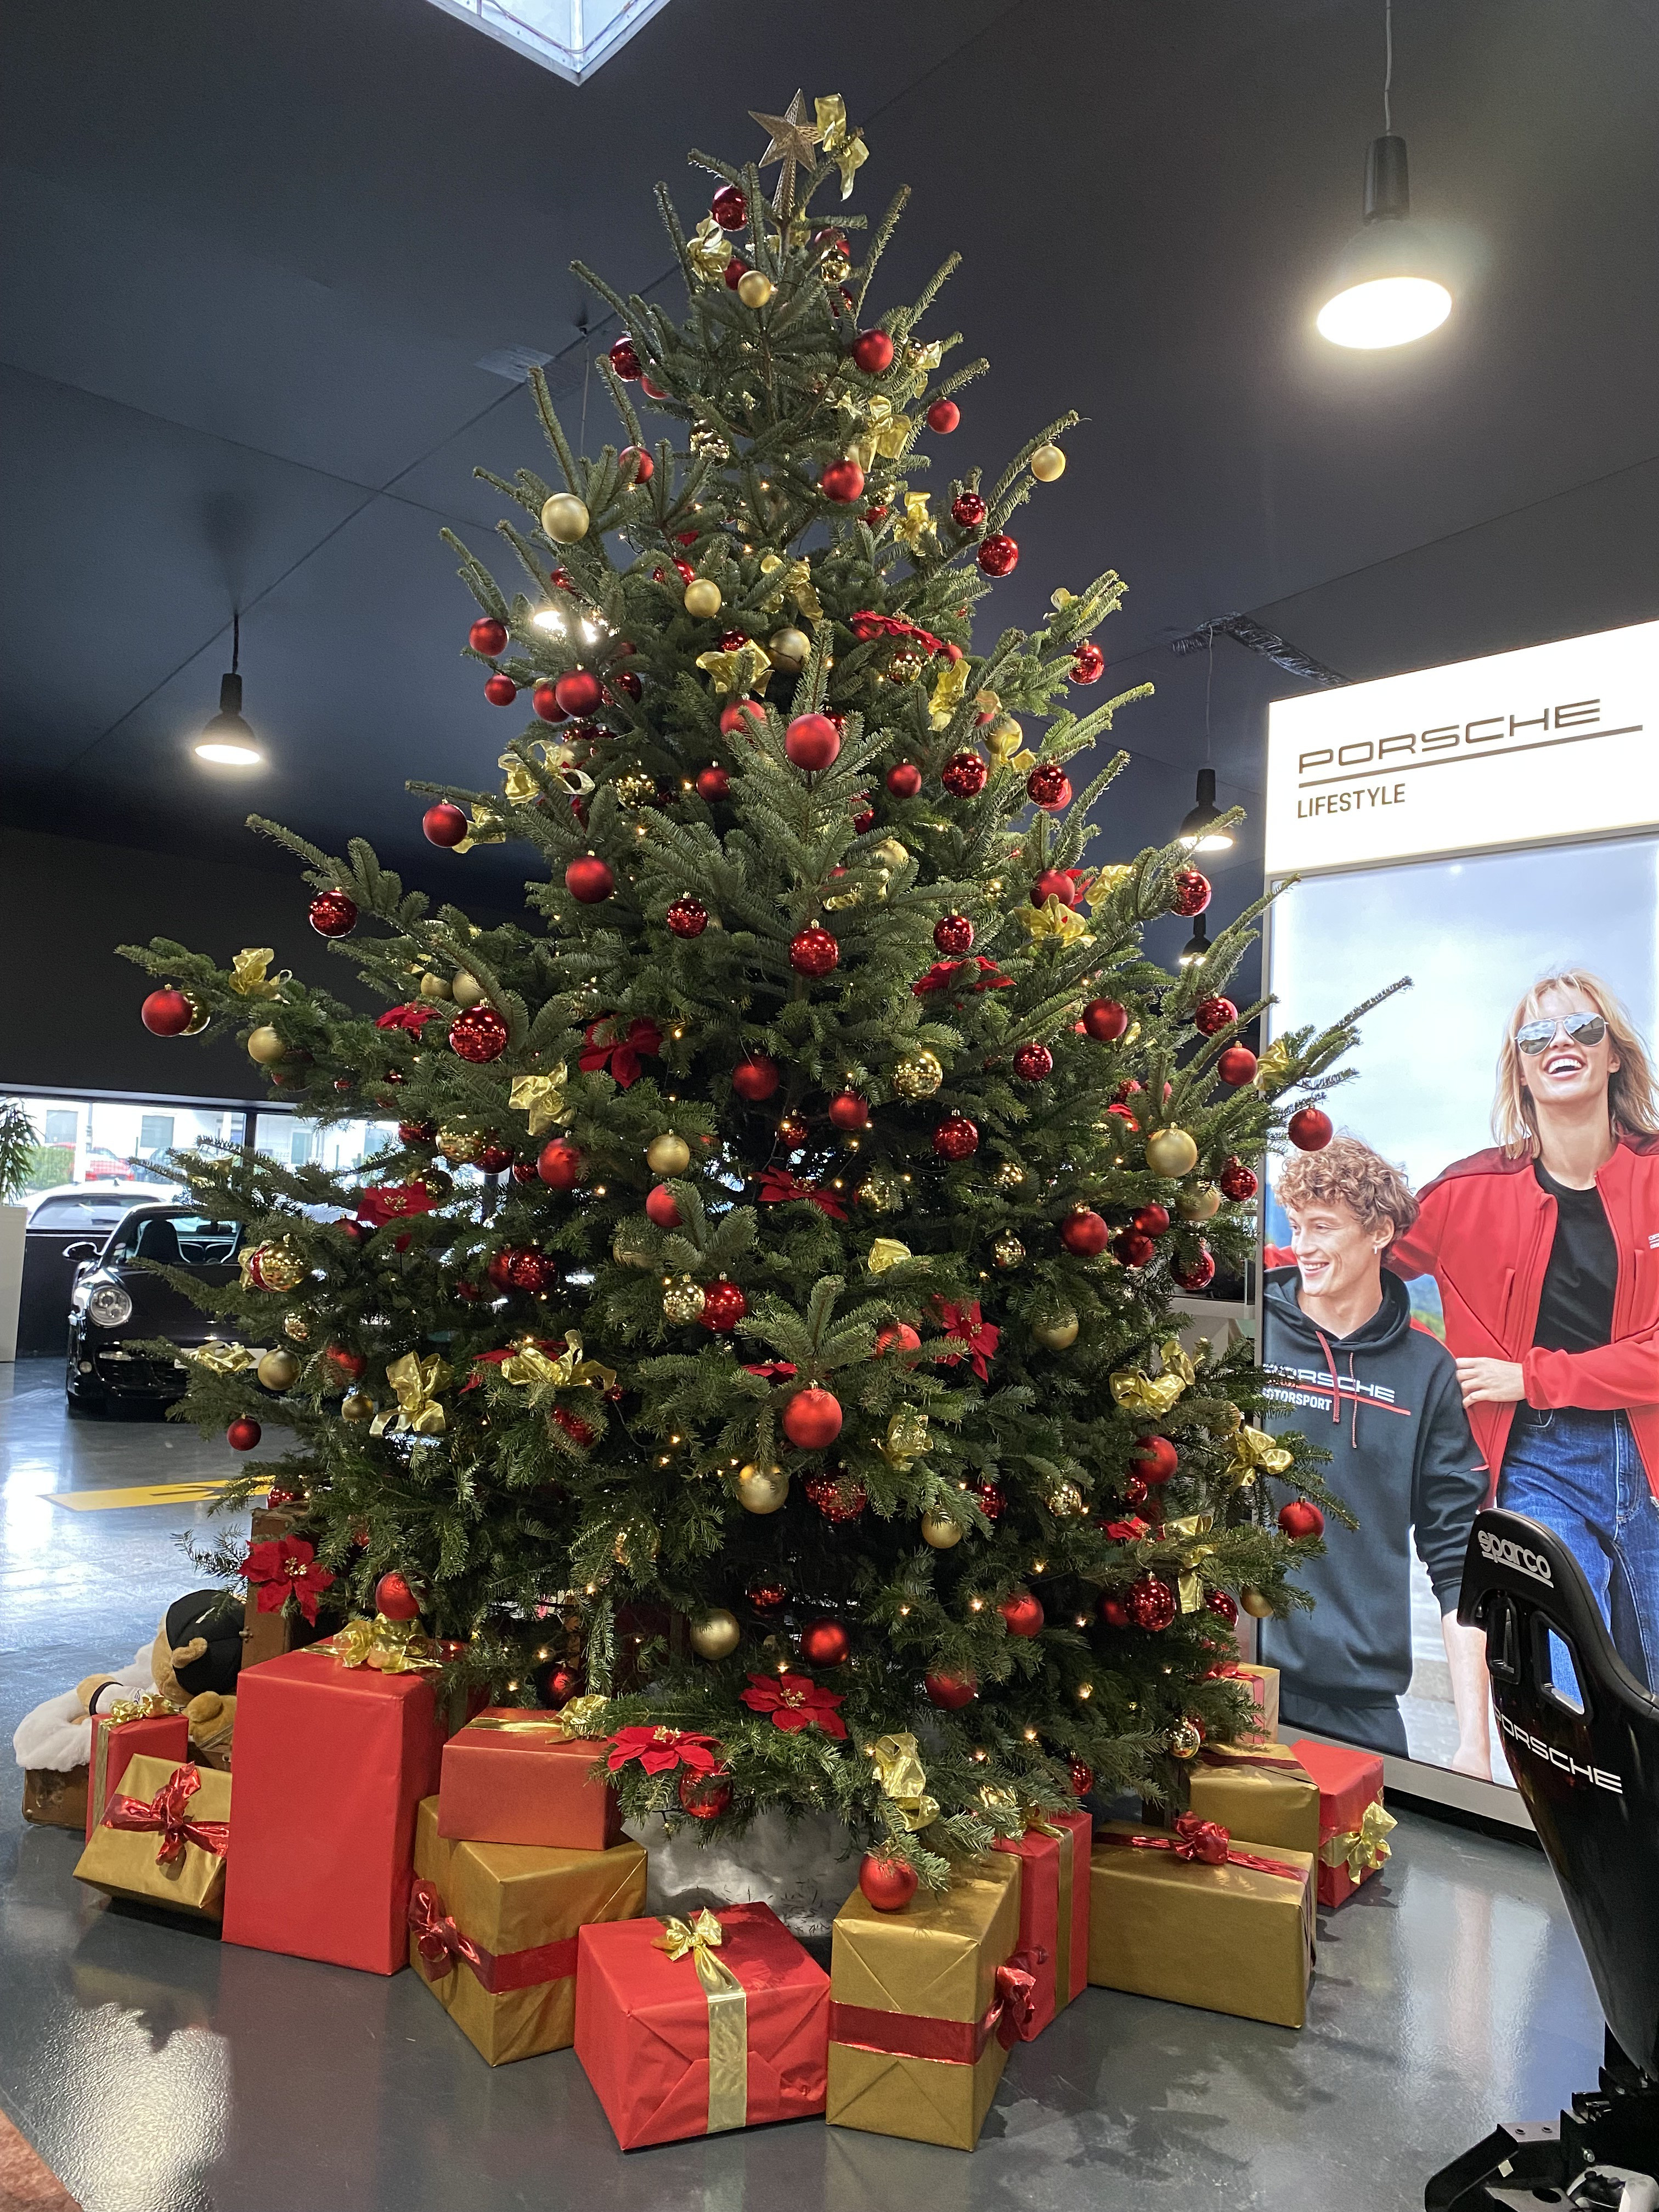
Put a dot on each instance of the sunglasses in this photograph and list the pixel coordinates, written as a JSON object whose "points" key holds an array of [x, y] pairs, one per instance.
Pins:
{"points": [[1582, 1028]]}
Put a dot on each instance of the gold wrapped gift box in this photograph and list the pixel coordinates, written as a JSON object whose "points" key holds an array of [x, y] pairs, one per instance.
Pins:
{"points": [[1258, 1792], [56, 1797], [932, 1971], [162, 1864], [1229, 1938], [511, 1902]]}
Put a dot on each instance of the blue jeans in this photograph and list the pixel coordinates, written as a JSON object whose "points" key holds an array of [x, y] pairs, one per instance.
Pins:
{"points": [[1580, 1474]]}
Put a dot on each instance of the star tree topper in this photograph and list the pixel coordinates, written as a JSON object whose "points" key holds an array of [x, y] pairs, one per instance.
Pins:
{"points": [[792, 141]]}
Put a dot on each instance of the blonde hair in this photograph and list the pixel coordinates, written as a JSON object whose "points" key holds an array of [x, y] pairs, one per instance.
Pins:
{"points": [[1347, 1173], [1631, 1100]]}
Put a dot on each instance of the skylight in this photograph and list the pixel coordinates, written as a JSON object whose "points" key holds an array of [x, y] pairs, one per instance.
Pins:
{"points": [[572, 37]]}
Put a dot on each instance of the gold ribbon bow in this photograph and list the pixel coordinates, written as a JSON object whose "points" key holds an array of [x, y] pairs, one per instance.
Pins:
{"points": [[1273, 1069], [744, 670], [923, 358], [584, 1715], [1255, 1452], [1004, 740], [1190, 1582], [390, 1647], [1138, 1393], [531, 1365], [1036, 1825], [887, 1252], [915, 523], [883, 433], [1107, 880], [247, 974], [1085, 611], [795, 583], [728, 2016], [906, 1440], [417, 1382], [224, 1358], [486, 830], [1003, 1807], [1361, 1849], [904, 1783], [1051, 919], [521, 784], [152, 1706], [541, 1099], [845, 147], [708, 250], [950, 689]]}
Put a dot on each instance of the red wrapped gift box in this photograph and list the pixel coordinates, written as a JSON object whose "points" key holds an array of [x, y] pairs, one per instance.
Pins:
{"points": [[1054, 1908], [670, 2056], [163, 1735], [331, 1764], [515, 1777], [1353, 1828]]}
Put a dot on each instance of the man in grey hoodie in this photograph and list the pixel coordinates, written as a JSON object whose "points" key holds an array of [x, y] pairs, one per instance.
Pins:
{"points": [[1352, 1372]]}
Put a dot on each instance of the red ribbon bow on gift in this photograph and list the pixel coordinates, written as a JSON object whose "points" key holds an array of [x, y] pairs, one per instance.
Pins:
{"points": [[778, 1186], [413, 1018], [1205, 1842], [624, 1056], [439, 1941], [165, 1815], [980, 1337], [393, 1201], [867, 625], [938, 976], [1015, 2012]]}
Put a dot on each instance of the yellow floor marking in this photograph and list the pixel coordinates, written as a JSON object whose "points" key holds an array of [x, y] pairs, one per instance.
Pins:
{"points": [[154, 1493]]}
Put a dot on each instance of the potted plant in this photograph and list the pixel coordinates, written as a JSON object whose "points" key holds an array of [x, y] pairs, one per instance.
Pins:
{"points": [[18, 1147]]}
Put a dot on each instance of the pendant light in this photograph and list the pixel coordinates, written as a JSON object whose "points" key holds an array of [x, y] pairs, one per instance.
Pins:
{"points": [[227, 741], [1384, 291], [1198, 831], [1197, 946]]}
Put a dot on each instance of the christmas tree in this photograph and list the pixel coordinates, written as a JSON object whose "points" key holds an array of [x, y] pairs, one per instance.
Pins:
{"points": [[792, 1362]]}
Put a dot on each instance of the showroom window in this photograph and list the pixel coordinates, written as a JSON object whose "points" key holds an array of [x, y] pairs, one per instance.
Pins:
{"points": [[108, 1142]]}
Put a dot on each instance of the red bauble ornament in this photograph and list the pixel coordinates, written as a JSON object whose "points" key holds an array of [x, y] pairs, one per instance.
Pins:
{"points": [[527, 1271], [1023, 1613], [837, 1496], [1113, 1612], [1211, 1015], [1310, 1129], [625, 359], [814, 952], [792, 1132], [544, 698], [559, 1164], [1301, 1518], [167, 1013], [1045, 783], [713, 784], [875, 513], [704, 1796], [579, 692], [496, 1159], [636, 458], [1084, 1233], [950, 1693], [501, 690], [888, 1883], [1224, 1605], [824, 1644], [904, 780], [1155, 1459], [968, 510], [872, 351], [556, 1687], [478, 1034], [1236, 1065], [525, 1171], [812, 1419], [842, 481], [944, 415], [766, 1597], [811, 741], [1054, 883], [1034, 1063], [755, 1078], [445, 824], [331, 914], [499, 1263], [957, 1138], [1190, 894], [1082, 1777], [488, 636], [243, 1435], [661, 1207], [848, 1111], [964, 775], [988, 1498], [1104, 1020], [1088, 662], [898, 1333], [627, 683], [724, 1306], [1135, 1491], [589, 880], [1149, 1602], [394, 1600], [998, 555], [1236, 1181], [736, 269], [1132, 1249], [688, 916], [1151, 1220], [954, 934], [1123, 1114], [351, 1364], [729, 208], [1196, 1273], [741, 715], [864, 815], [418, 1133]]}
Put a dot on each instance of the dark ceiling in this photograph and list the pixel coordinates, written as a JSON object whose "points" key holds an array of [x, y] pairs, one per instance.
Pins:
{"points": [[254, 255]]}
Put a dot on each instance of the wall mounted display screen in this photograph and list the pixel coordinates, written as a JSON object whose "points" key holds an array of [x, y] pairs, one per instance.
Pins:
{"points": [[1460, 1293]]}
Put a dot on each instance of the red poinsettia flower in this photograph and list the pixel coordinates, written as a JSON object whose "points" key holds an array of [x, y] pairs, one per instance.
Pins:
{"points": [[867, 625], [393, 1201], [795, 1701], [624, 1056], [659, 1750], [412, 1018], [937, 977], [282, 1564], [778, 1186], [980, 1337], [766, 1368]]}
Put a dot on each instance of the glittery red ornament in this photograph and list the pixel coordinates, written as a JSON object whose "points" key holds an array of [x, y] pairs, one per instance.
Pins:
{"points": [[589, 880], [494, 1158], [559, 1164], [331, 914], [445, 824], [1236, 1065], [167, 1013], [714, 784], [968, 510], [1211, 1015], [478, 1034], [954, 934], [1034, 1063], [814, 952], [864, 815], [242, 1435], [394, 1598], [997, 556], [729, 208], [1224, 1605], [661, 1207], [766, 1597], [792, 1132], [1310, 1129], [950, 1693], [1149, 1602], [625, 359], [687, 916], [704, 1796], [872, 351], [1113, 1612], [1088, 662], [957, 1138], [837, 1496], [1045, 783], [1301, 1518], [1084, 1233], [555, 1687], [733, 640], [418, 1133], [842, 481], [1238, 1181], [501, 690], [579, 692], [1135, 1491], [1023, 1613], [527, 1270], [1152, 1220], [848, 1111], [889, 1884], [1190, 894], [824, 1644], [1082, 1777], [351, 1364], [724, 1306], [755, 1078], [964, 775], [636, 459], [1155, 1459], [488, 636], [944, 415], [811, 741], [525, 1171], [279, 1498], [1105, 1020], [1054, 883], [500, 1265], [876, 512], [812, 1419], [1196, 1273], [904, 780]]}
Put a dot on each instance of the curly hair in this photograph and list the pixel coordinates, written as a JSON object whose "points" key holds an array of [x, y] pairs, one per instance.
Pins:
{"points": [[1350, 1174]]}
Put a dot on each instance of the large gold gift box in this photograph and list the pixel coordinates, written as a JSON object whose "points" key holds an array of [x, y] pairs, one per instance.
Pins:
{"points": [[138, 1862], [924, 1978], [1229, 1938], [519, 1907], [1258, 1792]]}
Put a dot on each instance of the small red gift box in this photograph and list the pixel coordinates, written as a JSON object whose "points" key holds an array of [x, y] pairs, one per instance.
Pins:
{"points": [[161, 1736], [515, 1776], [1353, 1828], [691, 2030], [331, 1764], [1054, 1908]]}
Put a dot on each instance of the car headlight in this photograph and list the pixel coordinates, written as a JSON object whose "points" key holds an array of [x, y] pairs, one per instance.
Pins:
{"points": [[110, 1305]]}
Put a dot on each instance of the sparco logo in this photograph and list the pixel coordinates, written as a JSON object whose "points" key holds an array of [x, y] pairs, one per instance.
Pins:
{"points": [[1502, 1552], [1562, 1760]]}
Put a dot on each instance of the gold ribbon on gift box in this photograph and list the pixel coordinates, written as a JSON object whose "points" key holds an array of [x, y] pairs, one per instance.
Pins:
{"points": [[1361, 1849], [904, 1782], [1140, 1393], [417, 1382], [571, 1724], [728, 2016], [390, 1647]]}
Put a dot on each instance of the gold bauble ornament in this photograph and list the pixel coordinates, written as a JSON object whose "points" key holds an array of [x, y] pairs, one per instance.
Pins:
{"points": [[755, 287], [761, 1489], [1198, 1203], [277, 1369], [1058, 1332], [266, 1045], [835, 267], [906, 664], [1065, 1503], [459, 1146], [357, 1406], [1047, 463], [1010, 1176], [278, 1269], [1186, 1741], [716, 1635], [939, 1530], [1258, 1607], [565, 518], [668, 1154], [296, 1329], [702, 598], [1007, 1251], [892, 854], [882, 1192], [466, 990], [626, 1253], [918, 1074], [682, 1302], [1171, 1152], [789, 649], [433, 986]]}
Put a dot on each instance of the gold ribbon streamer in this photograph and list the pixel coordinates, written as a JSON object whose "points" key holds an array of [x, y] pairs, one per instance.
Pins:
{"points": [[224, 1358], [390, 1647], [541, 1099], [1052, 920], [531, 1365], [1361, 1849], [795, 583], [1254, 1453], [904, 1782], [1138, 1393], [845, 147], [906, 1440], [887, 1252], [247, 974], [915, 523], [1005, 741], [1273, 1069], [950, 689], [417, 1382], [728, 2016], [708, 250], [747, 669]]}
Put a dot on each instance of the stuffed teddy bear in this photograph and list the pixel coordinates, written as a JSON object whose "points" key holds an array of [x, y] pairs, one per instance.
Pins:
{"points": [[197, 1647]]}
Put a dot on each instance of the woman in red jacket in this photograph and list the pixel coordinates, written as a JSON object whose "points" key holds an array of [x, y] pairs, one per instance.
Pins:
{"points": [[1546, 1250]]}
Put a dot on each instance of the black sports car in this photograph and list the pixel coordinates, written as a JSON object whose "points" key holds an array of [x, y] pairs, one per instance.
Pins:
{"points": [[116, 1303]]}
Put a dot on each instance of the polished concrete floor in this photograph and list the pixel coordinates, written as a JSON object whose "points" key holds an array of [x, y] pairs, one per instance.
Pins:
{"points": [[157, 2070]]}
